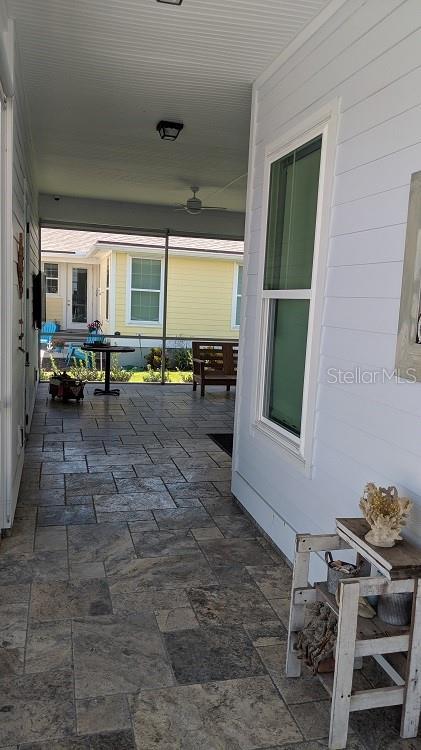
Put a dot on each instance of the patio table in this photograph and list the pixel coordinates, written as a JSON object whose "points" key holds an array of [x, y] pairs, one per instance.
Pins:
{"points": [[108, 351]]}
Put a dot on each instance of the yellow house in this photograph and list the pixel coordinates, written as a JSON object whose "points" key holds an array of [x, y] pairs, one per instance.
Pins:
{"points": [[120, 280]]}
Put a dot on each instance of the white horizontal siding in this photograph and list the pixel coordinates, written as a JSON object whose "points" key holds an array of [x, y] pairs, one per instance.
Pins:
{"points": [[24, 378], [365, 280], [377, 315], [380, 245], [367, 55]]}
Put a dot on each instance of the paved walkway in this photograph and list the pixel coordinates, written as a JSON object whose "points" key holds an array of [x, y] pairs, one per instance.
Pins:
{"points": [[139, 608]]}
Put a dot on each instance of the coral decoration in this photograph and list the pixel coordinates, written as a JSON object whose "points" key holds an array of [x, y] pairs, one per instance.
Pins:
{"points": [[386, 513]]}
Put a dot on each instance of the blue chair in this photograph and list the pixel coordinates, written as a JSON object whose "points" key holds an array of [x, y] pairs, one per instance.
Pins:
{"points": [[74, 352], [78, 354], [49, 328]]}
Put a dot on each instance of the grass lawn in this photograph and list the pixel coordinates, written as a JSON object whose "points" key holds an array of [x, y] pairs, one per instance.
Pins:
{"points": [[140, 376], [173, 376]]}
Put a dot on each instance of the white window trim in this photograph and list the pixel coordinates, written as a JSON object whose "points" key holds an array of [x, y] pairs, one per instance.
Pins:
{"points": [[234, 325], [148, 323], [57, 293], [324, 122], [107, 287]]}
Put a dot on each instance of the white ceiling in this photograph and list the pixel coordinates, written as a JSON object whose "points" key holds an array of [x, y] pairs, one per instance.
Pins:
{"points": [[99, 74]]}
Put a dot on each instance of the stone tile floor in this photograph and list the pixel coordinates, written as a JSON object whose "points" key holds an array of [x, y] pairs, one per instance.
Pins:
{"points": [[139, 608]]}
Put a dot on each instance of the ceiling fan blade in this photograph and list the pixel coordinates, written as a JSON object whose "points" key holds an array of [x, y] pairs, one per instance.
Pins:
{"points": [[213, 208], [180, 209]]}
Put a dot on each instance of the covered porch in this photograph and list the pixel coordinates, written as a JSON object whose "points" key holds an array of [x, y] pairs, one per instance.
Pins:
{"points": [[132, 570], [144, 576]]}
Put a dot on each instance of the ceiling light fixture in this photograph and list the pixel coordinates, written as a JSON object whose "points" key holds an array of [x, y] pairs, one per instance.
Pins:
{"points": [[170, 2], [169, 131]]}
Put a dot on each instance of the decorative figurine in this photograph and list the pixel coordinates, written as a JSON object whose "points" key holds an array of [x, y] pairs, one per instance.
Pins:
{"points": [[386, 513]]}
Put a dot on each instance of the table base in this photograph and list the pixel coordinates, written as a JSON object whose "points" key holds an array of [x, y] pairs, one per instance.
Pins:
{"points": [[109, 392]]}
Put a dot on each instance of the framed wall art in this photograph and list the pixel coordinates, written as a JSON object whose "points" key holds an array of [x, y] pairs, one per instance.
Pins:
{"points": [[408, 350]]}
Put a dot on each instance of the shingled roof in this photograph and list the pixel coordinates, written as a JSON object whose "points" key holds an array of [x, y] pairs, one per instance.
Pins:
{"points": [[80, 243]]}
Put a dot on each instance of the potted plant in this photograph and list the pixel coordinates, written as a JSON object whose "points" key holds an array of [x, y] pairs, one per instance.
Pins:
{"points": [[95, 326], [95, 332]]}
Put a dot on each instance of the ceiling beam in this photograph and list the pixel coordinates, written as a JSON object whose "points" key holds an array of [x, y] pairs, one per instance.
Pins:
{"points": [[137, 218]]}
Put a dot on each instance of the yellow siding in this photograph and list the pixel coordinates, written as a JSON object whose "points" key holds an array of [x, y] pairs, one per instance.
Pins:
{"points": [[200, 297], [54, 306], [200, 292]]}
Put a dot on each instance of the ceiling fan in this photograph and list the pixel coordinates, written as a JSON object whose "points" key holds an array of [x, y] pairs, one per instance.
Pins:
{"points": [[194, 205]]}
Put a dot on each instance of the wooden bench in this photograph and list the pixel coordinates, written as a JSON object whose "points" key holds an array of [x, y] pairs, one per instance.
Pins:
{"points": [[214, 364]]}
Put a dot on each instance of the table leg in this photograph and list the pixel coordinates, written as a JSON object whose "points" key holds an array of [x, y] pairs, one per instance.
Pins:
{"points": [[107, 391], [412, 697], [344, 664], [297, 612]]}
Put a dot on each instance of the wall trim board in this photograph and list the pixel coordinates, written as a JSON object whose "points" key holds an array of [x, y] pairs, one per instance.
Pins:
{"points": [[273, 524], [137, 218], [7, 276]]}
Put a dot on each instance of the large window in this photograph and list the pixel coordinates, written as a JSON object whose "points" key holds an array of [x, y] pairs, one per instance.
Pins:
{"points": [[51, 278], [287, 283], [238, 291], [145, 291]]}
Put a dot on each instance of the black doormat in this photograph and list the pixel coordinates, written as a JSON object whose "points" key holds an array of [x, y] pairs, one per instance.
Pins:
{"points": [[224, 441]]}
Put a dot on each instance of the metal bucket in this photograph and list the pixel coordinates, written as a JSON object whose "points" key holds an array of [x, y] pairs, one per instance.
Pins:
{"points": [[395, 609], [334, 576]]}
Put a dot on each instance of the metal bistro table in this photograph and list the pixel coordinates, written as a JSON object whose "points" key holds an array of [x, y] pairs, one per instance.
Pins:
{"points": [[108, 351]]}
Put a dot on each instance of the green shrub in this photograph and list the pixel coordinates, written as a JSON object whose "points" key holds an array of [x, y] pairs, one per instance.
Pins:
{"points": [[80, 371], [117, 372], [186, 377], [46, 373], [84, 370], [154, 358], [152, 376], [183, 359]]}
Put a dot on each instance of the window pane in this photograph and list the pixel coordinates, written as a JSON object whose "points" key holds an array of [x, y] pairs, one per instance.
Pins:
{"points": [[51, 286], [51, 269], [294, 182], [107, 302], [146, 273], [240, 280], [238, 312], [288, 322], [145, 306]]}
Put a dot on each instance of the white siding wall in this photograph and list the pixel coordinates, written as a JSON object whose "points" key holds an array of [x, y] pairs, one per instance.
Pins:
{"points": [[22, 380], [368, 55]]}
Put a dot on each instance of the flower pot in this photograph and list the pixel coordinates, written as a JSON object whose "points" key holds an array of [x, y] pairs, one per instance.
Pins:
{"points": [[395, 609]]}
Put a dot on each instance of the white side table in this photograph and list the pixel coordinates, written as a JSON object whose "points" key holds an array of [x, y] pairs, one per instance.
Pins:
{"points": [[400, 567]]}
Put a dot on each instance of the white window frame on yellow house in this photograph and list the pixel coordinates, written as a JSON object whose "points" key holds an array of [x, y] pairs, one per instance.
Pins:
{"points": [[52, 263], [107, 288], [234, 325], [129, 289], [323, 123]]}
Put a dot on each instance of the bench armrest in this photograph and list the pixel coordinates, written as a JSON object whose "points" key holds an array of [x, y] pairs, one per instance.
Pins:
{"points": [[198, 366]]}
